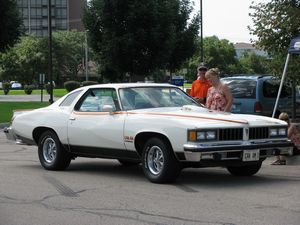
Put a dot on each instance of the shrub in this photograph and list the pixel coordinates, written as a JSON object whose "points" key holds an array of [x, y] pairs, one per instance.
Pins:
{"points": [[71, 85], [89, 82], [6, 87], [28, 89]]}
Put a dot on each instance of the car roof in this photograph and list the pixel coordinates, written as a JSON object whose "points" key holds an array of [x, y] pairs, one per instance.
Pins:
{"points": [[248, 77], [128, 85]]}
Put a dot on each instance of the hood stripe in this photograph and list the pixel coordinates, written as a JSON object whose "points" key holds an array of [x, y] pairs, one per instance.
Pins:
{"points": [[193, 117], [160, 114]]}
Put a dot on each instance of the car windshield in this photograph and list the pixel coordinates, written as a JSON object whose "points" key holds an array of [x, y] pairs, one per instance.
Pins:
{"points": [[153, 97], [241, 88]]}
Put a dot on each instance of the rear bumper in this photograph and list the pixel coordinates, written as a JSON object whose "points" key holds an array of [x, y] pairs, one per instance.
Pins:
{"points": [[196, 152], [11, 136]]}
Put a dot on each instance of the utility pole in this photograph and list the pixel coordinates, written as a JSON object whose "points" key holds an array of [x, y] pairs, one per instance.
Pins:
{"points": [[86, 57], [50, 50], [201, 31]]}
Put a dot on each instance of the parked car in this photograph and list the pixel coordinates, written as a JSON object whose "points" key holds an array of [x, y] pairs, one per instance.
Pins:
{"points": [[16, 85], [256, 94], [157, 125]]}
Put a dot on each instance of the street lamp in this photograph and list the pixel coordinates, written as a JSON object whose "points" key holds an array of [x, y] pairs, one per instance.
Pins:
{"points": [[86, 57], [50, 50], [201, 32]]}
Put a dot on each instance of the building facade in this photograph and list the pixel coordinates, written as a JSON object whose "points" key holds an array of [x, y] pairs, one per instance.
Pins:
{"points": [[241, 48], [66, 15]]}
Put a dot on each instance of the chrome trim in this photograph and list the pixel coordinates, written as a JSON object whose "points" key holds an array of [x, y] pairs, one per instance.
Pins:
{"points": [[238, 145], [10, 135]]}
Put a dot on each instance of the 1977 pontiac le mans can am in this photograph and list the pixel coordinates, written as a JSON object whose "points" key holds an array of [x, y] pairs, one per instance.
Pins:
{"points": [[157, 125]]}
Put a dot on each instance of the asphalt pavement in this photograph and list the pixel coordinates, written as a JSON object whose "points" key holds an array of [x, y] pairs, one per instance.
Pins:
{"points": [[25, 98]]}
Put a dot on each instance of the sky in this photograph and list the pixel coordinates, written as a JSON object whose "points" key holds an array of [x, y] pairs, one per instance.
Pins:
{"points": [[227, 19]]}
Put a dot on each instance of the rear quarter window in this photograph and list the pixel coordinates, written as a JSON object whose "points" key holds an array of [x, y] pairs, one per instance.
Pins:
{"points": [[241, 88], [70, 98], [271, 87]]}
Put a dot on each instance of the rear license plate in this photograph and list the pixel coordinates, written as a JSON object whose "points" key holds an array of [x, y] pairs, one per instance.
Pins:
{"points": [[250, 155]]}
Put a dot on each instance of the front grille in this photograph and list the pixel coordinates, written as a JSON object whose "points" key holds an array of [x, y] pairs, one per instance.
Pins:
{"points": [[231, 134], [258, 133]]}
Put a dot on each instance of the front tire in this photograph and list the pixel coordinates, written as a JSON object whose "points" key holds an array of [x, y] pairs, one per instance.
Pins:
{"points": [[248, 170], [159, 162], [52, 155]]}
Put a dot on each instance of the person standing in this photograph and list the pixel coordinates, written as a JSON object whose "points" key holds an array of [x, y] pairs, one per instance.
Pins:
{"points": [[293, 135], [219, 96], [201, 85]]}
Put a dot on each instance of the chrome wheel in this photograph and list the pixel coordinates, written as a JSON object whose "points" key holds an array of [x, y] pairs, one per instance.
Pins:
{"points": [[155, 160], [49, 150]]}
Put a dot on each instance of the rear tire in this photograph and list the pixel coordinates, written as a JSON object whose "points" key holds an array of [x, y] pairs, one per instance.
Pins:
{"points": [[52, 155], [248, 170], [159, 162]]}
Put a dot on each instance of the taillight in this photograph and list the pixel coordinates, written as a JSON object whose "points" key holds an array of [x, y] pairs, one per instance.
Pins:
{"points": [[257, 107]]}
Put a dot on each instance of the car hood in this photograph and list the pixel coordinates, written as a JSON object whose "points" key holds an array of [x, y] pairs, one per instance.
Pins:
{"points": [[194, 115]]}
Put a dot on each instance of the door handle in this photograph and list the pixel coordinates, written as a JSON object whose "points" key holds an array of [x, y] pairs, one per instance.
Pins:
{"points": [[72, 118]]}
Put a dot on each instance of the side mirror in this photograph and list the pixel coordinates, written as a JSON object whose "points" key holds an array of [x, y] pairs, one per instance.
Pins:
{"points": [[107, 108]]}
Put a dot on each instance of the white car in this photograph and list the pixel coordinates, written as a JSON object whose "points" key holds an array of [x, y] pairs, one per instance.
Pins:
{"points": [[157, 125]]}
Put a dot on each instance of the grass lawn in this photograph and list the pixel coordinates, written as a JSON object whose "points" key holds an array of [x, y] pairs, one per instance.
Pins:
{"points": [[6, 108], [56, 92], [187, 85]]}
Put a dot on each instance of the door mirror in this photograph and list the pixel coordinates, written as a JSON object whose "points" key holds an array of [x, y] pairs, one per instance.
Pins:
{"points": [[107, 108]]}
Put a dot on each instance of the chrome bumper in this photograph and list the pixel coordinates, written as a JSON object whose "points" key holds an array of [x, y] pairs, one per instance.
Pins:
{"points": [[233, 151], [11, 136]]}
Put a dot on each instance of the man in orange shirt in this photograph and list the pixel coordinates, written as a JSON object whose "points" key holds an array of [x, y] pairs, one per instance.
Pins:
{"points": [[201, 85]]}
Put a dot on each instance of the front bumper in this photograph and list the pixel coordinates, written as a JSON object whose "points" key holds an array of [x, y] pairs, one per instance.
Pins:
{"points": [[196, 152]]}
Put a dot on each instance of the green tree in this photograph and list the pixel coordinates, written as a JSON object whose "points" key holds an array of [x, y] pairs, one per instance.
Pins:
{"points": [[24, 61], [10, 22], [29, 57], [250, 63], [68, 55], [218, 53], [275, 23], [137, 37]]}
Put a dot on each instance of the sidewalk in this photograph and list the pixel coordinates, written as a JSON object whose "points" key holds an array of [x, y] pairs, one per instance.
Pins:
{"points": [[25, 98]]}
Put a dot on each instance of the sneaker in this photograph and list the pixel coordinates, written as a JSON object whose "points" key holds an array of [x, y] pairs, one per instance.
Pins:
{"points": [[282, 162], [279, 162]]}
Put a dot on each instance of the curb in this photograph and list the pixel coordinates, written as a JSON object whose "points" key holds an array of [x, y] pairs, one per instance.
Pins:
{"points": [[2, 125]]}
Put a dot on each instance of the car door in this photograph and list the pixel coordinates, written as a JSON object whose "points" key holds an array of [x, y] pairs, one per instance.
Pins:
{"points": [[269, 94], [92, 129]]}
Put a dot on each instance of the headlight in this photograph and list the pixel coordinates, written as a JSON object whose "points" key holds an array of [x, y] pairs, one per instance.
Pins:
{"points": [[278, 132], [282, 132], [202, 135], [211, 135], [273, 132]]}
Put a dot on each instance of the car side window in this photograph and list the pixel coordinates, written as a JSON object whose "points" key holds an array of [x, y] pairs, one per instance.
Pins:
{"points": [[271, 87], [70, 98], [95, 99], [241, 88]]}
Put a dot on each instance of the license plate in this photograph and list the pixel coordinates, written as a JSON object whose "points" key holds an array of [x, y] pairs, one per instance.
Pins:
{"points": [[250, 155]]}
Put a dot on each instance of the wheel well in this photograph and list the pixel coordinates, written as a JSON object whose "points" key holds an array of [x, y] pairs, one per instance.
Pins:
{"points": [[142, 138], [37, 132]]}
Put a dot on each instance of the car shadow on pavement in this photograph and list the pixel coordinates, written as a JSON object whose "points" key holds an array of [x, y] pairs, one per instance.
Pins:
{"points": [[199, 177], [216, 177], [107, 167]]}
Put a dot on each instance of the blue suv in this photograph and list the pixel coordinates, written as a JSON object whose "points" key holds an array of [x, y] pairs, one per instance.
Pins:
{"points": [[256, 94]]}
